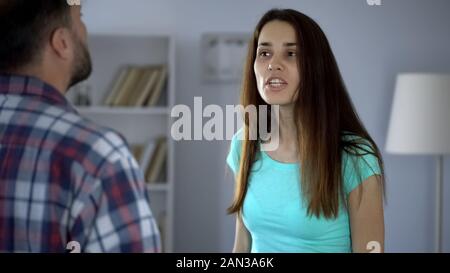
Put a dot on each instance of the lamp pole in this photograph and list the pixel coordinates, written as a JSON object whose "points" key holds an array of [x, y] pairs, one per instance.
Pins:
{"points": [[438, 216]]}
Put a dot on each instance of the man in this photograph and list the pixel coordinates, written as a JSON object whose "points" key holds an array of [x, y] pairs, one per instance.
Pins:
{"points": [[64, 181]]}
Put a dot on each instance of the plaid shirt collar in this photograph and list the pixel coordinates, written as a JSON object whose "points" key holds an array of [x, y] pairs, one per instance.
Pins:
{"points": [[11, 84]]}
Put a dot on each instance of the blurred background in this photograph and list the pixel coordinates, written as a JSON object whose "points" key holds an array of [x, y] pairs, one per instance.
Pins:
{"points": [[372, 45]]}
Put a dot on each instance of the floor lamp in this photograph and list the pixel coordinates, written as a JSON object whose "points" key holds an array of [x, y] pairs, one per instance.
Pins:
{"points": [[420, 124]]}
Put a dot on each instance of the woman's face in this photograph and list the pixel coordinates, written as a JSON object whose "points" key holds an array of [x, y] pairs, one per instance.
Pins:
{"points": [[276, 65]]}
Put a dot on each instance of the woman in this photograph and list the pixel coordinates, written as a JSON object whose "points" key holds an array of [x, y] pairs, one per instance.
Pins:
{"points": [[322, 189]]}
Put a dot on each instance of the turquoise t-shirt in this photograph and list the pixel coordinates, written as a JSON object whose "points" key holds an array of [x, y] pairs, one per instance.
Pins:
{"points": [[273, 211]]}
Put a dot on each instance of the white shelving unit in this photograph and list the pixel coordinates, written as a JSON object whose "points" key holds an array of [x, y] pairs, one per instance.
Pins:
{"points": [[137, 124]]}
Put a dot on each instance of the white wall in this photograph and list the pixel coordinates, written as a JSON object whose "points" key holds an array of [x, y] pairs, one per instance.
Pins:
{"points": [[371, 44]]}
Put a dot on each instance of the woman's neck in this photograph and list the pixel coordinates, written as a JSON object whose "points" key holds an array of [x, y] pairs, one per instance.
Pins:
{"points": [[287, 149], [288, 129]]}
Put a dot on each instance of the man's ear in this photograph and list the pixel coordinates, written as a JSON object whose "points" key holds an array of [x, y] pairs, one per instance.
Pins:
{"points": [[61, 43]]}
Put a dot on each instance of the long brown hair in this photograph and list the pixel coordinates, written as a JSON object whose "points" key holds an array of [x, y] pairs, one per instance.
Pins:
{"points": [[324, 114]]}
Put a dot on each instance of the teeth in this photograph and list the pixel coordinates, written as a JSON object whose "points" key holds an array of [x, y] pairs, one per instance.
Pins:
{"points": [[276, 82]]}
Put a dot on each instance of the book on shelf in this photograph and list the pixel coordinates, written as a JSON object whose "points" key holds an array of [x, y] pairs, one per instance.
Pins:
{"points": [[145, 88], [116, 85], [156, 94], [161, 219], [151, 158], [137, 150], [137, 86], [155, 170], [147, 154], [126, 87]]}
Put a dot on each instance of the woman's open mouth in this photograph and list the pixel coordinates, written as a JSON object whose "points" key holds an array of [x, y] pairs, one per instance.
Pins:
{"points": [[276, 84]]}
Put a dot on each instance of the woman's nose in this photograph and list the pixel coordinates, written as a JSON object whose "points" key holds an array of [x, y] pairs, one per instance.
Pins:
{"points": [[274, 66]]}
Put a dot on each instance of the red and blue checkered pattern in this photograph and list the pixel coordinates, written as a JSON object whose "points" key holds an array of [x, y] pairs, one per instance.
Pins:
{"points": [[64, 178]]}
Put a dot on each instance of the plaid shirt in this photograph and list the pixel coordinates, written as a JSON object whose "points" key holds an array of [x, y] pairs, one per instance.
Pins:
{"points": [[64, 178]]}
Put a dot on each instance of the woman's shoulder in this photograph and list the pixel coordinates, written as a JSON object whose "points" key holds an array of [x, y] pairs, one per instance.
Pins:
{"points": [[239, 135], [233, 157], [236, 140], [356, 144], [359, 159]]}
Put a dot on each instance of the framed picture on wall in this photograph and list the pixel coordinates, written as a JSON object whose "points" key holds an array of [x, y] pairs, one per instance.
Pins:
{"points": [[223, 56]]}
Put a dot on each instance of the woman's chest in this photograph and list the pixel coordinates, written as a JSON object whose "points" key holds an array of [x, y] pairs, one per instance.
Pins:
{"points": [[274, 201]]}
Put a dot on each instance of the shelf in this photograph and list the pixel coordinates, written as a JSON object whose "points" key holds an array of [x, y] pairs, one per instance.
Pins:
{"points": [[157, 186], [124, 110], [137, 125]]}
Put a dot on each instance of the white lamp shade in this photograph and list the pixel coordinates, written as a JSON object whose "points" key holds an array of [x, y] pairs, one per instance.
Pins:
{"points": [[420, 116]]}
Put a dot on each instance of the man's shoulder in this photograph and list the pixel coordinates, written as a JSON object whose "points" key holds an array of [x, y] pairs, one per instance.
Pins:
{"points": [[102, 140], [74, 134], [96, 148], [61, 131], [79, 129]]}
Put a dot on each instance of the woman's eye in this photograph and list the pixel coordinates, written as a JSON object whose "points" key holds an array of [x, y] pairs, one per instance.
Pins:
{"points": [[264, 54], [292, 53]]}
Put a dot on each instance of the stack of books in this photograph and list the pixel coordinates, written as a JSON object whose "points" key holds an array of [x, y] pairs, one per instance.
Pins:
{"points": [[137, 86]]}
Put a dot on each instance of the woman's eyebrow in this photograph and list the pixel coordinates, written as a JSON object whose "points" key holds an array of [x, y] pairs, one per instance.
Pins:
{"points": [[284, 44]]}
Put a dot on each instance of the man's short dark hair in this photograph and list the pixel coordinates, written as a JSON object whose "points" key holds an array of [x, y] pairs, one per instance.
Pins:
{"points": [[24, 26]]}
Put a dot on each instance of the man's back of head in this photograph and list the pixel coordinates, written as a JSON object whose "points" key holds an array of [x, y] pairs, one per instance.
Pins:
{"points": [[46, 39]]}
